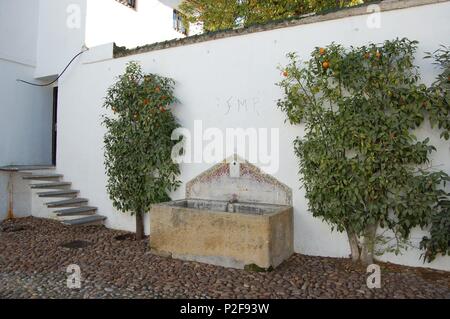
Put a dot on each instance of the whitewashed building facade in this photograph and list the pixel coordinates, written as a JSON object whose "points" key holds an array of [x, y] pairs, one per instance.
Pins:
{"points": [[38, 40], [224, 80]]}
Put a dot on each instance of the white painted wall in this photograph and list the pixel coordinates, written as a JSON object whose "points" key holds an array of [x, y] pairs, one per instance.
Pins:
{"points": [[25, 130], [34, 43], [18, 31], [25, 111], [61, 34], [111, 21], [21, 195], [172, 3], [25, 117], [66, 25], [209, 74], [38, 39]]}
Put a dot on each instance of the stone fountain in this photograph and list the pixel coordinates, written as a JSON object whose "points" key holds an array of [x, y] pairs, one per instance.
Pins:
{"points": [[234, 215]]}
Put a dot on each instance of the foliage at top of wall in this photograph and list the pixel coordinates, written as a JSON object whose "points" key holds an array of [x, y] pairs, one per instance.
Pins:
{"points": [[325, 15], [360, 162], [227, 14]]}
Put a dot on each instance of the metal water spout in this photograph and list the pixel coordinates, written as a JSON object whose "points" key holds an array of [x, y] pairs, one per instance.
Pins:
{"points": [[231, 202], [235, 168]]}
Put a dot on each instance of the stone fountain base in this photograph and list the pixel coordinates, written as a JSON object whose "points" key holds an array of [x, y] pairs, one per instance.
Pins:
{"points": [[234, 215], [239, 235]]}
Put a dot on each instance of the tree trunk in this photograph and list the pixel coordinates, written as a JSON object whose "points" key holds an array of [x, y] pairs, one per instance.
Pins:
{"points": [[368, 244], [354, 247], [139, 226]]}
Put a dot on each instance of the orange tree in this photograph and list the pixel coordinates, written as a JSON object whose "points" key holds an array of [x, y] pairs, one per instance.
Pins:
{"points": [[361, 165], [138, 142], [438, 108]]}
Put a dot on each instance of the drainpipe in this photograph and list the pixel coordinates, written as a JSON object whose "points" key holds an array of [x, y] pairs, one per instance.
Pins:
{"points": [[10, 197]]}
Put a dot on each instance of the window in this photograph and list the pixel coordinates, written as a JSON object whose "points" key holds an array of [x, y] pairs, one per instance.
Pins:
{"points": [[178, 22]]}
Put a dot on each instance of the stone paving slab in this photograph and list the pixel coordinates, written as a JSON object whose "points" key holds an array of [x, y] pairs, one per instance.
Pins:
{"points": [[33, 265]]}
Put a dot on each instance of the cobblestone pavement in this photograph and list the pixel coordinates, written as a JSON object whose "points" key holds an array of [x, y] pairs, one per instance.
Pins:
{"points": [[33, 265]]}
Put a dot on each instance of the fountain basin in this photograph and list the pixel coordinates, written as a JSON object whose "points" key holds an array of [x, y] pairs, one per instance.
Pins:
{"points": [[236, 235]]}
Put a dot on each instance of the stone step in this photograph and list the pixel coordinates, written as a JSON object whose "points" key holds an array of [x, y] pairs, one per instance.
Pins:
{"points": [[62, 193], [67, 202], [43, 176], [50, 185], [89, 220], [83, 210], [26, 168]]}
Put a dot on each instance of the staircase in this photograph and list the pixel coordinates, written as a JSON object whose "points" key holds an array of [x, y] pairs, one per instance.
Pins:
{"points": [[59, 200]]}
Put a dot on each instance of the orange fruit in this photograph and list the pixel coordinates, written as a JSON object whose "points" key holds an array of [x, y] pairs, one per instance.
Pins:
{"points": [[326, 65], [162, 109], [285, 73], [158, 89], [322, 51], [146, 101], [378, 54]]}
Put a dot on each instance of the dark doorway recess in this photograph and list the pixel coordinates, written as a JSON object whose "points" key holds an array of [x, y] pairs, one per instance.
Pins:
{"points": [[54, 123]]}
